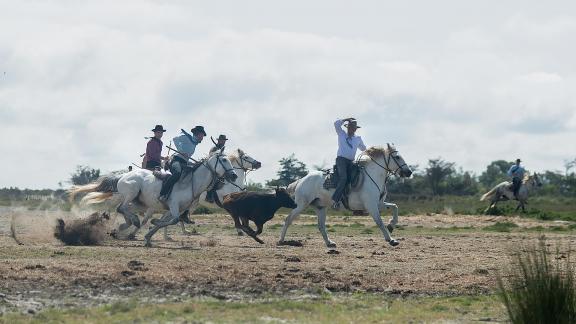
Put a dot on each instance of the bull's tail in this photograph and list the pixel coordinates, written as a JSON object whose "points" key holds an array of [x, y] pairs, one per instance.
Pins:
{"points": [[97, 191], [489, 193]]}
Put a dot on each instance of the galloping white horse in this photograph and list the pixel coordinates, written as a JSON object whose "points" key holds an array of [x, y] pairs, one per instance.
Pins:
{"points": [[377, 164], [141, 187], [242, 164], [503, 191]]}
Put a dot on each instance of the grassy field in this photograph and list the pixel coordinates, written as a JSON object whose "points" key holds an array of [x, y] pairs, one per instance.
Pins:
{"points": [[355, 308], [443, 271]]}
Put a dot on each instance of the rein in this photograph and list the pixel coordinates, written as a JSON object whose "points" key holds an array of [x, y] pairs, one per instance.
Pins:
{"points": [[386, 167]]}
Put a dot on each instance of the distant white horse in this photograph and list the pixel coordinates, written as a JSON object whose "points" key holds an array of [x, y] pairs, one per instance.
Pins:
{"points": [[503, 191], [377, 164], [242, 164], [141, 187]]}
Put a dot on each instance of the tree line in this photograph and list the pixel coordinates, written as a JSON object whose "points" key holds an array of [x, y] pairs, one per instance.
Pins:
{"points": [[438, 177]]}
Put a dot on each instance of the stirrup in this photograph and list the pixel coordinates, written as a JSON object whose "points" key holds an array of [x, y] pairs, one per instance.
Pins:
{"points": [[336, 205]]}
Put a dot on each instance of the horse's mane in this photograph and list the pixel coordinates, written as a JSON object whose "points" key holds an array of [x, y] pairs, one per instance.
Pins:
{"points": [[375, 152], [235, 155]]}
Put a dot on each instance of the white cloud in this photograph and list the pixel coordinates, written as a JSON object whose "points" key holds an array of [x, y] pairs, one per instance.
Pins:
{"points": [[85, 81]]}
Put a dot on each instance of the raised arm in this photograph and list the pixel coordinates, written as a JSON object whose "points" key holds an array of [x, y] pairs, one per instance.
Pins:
{"points": [[361, 146], [338, 125]]}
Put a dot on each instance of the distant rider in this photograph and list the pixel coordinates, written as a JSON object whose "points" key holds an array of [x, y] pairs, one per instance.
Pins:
{"points": [[348, 143], [185, 145], [153, 157], [516, 172], [221, 142], [218, 146]]}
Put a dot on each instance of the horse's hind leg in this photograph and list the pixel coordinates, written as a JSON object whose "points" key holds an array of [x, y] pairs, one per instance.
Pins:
{"points": [[321, 213], [147, 216], [289, 219], [131, 218]]}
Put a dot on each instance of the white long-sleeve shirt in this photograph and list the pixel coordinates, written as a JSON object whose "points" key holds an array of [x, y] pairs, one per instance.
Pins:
{"points": [[347, 145]]}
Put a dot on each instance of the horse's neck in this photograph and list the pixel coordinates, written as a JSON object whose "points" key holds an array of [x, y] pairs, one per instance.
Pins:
{"points": [[377, 172], [201, 179]]}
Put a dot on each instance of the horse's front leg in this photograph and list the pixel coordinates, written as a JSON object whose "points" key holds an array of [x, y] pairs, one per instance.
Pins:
{"points": [[375, 213], [170, 218], [394, 220]]}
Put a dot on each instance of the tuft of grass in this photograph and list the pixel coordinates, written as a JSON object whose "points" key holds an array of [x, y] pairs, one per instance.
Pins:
{"points": [[539, 290], [501, 227], [202, 210]]}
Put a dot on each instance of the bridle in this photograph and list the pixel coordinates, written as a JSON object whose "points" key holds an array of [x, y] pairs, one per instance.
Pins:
{"points": [[215, 176], [391, 157], [242, 158]]}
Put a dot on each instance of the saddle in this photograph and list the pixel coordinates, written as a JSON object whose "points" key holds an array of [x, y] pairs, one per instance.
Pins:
{"points": [[331, 178]]}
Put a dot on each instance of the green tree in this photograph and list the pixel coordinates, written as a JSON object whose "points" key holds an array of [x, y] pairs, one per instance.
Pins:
{"points": [[495, 173], [436, 173], [84, 175], [290, 170]]}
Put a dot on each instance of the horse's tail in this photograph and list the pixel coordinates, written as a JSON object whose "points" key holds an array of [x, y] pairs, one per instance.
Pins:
{"points": [[98, 191], [489, 193]]}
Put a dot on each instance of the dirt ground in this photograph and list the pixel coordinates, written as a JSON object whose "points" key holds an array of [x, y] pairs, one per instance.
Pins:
{"points": [[438, 255]]}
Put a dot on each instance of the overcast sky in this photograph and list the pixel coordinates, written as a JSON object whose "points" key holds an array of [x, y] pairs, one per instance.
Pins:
{"points": [[83, 82]]}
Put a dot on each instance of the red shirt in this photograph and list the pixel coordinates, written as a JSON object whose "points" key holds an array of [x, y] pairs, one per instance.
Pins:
{"points": [[154, 150]]}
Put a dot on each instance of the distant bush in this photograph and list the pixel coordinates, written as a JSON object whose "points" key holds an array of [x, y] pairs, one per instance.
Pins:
{"points": [[539, 290], [202, 210]]}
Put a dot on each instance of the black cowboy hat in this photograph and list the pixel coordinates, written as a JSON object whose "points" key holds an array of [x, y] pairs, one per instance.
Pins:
{"points": [[352, 123], [518, 160], [198, 129], [222, 137], [158, 128]]}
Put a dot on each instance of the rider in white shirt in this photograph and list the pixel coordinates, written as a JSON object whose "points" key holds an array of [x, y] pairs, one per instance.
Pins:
{"points": [[348, 144]]}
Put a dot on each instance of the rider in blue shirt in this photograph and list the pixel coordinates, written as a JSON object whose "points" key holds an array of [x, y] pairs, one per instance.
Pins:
{"points": [[516, 172], [185, 145]]}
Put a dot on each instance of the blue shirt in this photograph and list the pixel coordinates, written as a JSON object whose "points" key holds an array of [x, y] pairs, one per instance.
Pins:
{"points": [[516, 171], [186, 144], [347, 145]]}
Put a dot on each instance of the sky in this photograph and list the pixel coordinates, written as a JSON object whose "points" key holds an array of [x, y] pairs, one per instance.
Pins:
{"points": [[83, 82]]}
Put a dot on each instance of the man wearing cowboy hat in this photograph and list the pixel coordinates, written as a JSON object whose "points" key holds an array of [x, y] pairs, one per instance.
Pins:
{"points": [[516, 172], [221, 141], [219, 145], [185, 145], [348, 143], [153, 156]]}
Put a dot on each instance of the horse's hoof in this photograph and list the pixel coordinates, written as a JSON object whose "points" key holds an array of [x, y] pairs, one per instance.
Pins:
{"points": [[148, 244], [131, 237], [124, 226], [393, 242], [390, 228], [331, 244], [259, 241]]}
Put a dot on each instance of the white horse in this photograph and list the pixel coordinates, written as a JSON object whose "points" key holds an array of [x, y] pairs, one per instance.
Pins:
{"points": [[377, 163], [141, 187], [503, 191], [242, 164]]}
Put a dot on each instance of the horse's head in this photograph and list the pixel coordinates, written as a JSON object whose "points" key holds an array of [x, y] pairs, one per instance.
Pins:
{"points": [[536, 182], [222, 166], [390, 160], [247, 162]]}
